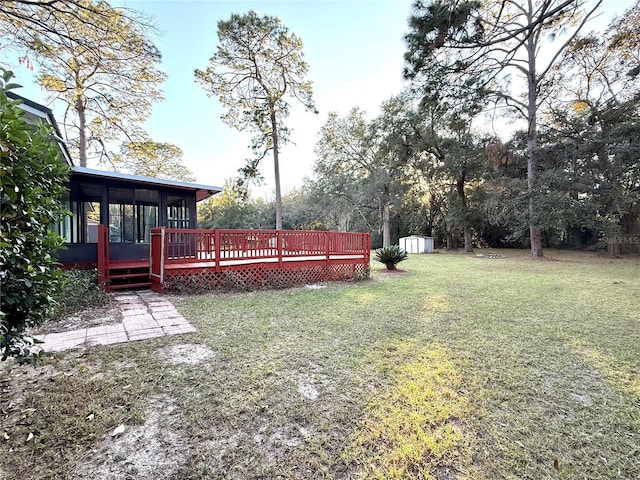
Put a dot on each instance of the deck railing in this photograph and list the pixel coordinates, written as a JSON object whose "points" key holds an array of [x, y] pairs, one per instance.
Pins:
{"points": [[220, 247]]}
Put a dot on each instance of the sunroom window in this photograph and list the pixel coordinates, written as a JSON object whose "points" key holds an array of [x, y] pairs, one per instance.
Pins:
{"points": [[178, 212], [83, 202], [132, 214]]}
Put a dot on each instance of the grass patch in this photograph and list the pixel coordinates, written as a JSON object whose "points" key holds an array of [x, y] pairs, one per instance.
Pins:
{"points": [[415, 428], [461, 367]]}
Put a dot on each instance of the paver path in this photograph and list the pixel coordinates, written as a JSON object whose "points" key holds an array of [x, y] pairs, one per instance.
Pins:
{"points": [[145, 314]]}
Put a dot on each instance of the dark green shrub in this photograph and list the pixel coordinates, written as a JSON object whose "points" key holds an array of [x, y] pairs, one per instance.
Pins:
{"points": [[391, 256], [80, 290], [33, 182]]}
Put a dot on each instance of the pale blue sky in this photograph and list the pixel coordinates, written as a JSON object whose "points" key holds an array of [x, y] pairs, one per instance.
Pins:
{"points": [[354, 50]]}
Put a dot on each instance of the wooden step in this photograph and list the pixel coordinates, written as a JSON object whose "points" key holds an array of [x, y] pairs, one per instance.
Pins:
{"points": [[122, 275], [128, 275], [125, 286], [129, 269], [128, 265]]}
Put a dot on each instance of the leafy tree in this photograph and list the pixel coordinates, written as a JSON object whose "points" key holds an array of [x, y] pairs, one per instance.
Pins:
{"points": [[100, 62], [345, 155], [153, 159], [333, 208], [394, 134], [623, 39], [597, 126], [493, 48], [452, 160], [567, 216], [257, 68], [424, 207], [231, 209], [33, 182], [364, 163], [505, 207], [301, 210], [461, 165], [345, 167]]}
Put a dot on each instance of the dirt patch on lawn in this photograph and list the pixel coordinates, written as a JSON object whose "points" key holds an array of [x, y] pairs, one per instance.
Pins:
{"points": [[16, 381], [312, 384], [186, 354], [91, 317], [384, 275], [152, 451], [278, 443]]}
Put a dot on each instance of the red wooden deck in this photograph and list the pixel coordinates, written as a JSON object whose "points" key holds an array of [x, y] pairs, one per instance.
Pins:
{"points": [[190, 260]]}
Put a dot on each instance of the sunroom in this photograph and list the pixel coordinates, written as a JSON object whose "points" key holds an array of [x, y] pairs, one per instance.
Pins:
{"points": [[129, 206]]}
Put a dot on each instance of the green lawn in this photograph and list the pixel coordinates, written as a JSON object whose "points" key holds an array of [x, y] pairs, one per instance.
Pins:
{"points": [[459, 367]]}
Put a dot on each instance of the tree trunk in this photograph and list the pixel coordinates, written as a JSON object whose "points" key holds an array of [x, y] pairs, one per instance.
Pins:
{"points": [[468, 238], [386, 221], [532, 145], [451, 241], [276, 169], [82, 127], [613, 248], [468, 231]]}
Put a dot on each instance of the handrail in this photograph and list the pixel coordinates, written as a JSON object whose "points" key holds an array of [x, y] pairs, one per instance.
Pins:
{"points": [[223, 245]]}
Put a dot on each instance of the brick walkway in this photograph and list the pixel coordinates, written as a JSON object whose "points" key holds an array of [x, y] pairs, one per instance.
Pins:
{"points": [[145, 314]]}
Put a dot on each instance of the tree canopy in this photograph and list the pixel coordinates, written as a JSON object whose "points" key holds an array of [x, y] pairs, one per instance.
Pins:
{"points": [[100, 62], [41, 17], [257, 69], [153, 159]]}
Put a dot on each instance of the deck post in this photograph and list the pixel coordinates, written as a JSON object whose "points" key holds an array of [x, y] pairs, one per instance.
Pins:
{"points": [[157, 255], [216, 249], [327, 243], [103, 254], [366, 245]]}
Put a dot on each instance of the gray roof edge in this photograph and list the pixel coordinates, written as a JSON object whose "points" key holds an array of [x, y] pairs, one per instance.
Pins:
{"points": [[48, 114], [142, 179]]}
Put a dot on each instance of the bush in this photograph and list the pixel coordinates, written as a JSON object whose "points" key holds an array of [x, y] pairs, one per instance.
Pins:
{"points": [[33, 182], [391, 256], [80, 290]]}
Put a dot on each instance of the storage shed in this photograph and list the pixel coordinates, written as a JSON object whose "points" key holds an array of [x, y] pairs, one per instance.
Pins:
{"points": [[417, 244]]}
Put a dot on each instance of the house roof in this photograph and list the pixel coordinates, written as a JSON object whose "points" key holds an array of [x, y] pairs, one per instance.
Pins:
{"points": [[202, 191], [35, 112]]}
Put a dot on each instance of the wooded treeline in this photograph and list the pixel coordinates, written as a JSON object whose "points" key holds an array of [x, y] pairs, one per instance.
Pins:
{"points": [[513, 123]]}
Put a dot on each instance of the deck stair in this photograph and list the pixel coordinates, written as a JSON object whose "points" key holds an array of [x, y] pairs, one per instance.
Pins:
{"points": [[120, 274], [125, 275]]}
